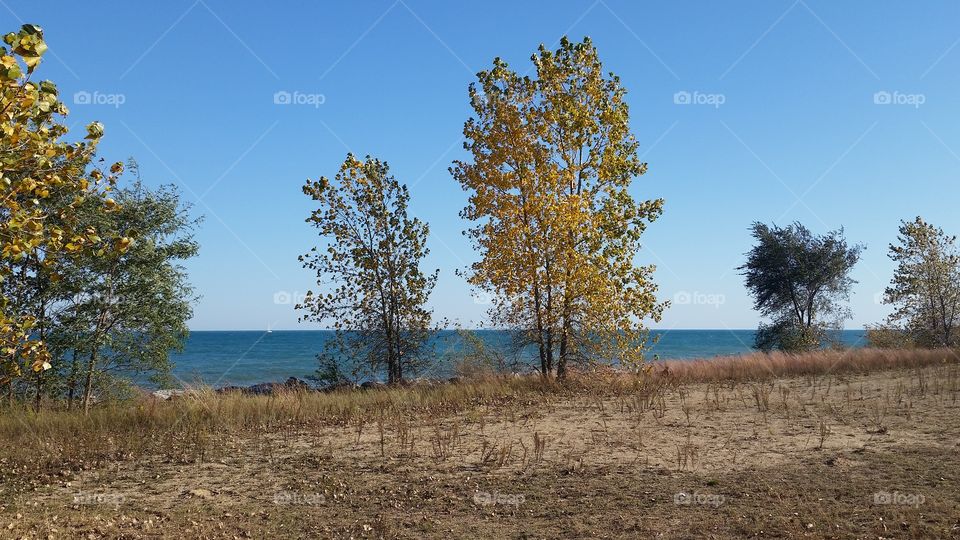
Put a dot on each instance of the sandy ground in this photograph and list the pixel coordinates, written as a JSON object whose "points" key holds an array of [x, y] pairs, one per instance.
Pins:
{"points": [[872, 456]]}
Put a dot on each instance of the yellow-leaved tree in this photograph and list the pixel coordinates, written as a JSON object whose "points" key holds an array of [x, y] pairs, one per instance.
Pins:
{"points": [[556, 227], [42, 181]]}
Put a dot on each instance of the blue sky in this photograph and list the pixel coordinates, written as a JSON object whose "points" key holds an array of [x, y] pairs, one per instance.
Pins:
{"points": [[830, 113]]}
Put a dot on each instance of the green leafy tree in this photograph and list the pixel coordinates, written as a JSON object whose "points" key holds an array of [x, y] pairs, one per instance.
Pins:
{"points": [[925, 289], [800, 281], [373, 291], [128, 309], [557, 230]]}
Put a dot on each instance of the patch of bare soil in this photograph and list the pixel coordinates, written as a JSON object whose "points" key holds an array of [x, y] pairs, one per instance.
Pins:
{"points": [[874, 456]]}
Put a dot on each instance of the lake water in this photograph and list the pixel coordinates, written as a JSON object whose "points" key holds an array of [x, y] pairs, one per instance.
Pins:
{"points": [[220, 358]]}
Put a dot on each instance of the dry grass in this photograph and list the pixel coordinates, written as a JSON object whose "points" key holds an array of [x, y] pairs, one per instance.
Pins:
{"points": [[763, 439], [187, 428], [757, 367]]}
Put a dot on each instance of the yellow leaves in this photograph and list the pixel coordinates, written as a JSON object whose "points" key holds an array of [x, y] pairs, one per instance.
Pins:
{"points": [[123, 243], [33, 226], [13, 250], [42, 183], [557, 229], [94, 131]]}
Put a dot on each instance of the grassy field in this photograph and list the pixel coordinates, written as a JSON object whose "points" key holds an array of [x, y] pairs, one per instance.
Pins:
{"points": [[855, 444]]}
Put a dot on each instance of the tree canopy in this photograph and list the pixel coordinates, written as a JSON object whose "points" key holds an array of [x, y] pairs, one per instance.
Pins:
{"points": [[43, 181], [558, 232], [799, 280], [373, 291], [925, 289]]}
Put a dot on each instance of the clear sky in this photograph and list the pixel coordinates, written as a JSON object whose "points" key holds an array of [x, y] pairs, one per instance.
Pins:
{"points": [[830, 113]]}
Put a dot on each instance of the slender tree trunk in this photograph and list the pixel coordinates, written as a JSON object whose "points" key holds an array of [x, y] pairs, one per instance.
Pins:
{"points": [[562, 360], [544, 367], [72, 380], [37, 399], [549, 328], [88, 383]]}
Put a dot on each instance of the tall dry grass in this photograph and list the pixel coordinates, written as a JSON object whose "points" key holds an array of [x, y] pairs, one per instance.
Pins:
{"points": [[763, 366]]}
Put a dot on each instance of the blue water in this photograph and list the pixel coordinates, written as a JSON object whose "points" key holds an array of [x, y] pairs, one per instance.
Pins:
{"points": [[224, 358]]}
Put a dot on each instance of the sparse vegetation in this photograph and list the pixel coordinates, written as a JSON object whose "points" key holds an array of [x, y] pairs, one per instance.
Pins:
{"points": [[443, 459]]}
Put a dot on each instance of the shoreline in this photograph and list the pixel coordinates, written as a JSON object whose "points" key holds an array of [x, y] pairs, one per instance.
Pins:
{"points": [[754, 366]]}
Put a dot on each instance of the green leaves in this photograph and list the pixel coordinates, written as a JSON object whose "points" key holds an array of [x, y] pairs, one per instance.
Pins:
{"points": [[800, 280], [925, 289], [373, 291]]}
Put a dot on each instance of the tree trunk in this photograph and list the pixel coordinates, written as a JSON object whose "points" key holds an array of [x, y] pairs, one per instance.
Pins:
{"points": [[72, 380], [88, 383], [39, 394], [562, 360]]}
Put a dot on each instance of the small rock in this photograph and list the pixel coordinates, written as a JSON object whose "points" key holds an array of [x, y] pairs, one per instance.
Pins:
{"points": [[168, 394], [202, 493]]}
